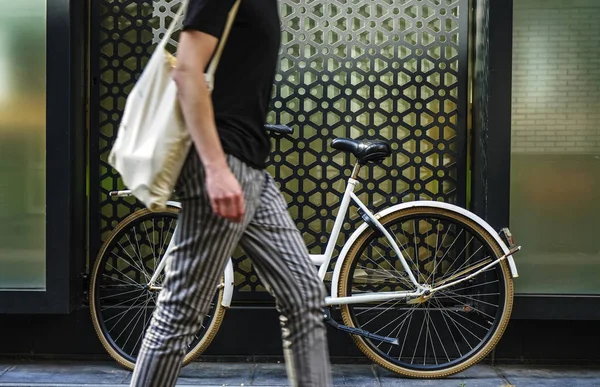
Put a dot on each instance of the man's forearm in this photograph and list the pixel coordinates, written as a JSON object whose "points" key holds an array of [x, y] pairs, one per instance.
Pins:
{"points": [[196, 105]]}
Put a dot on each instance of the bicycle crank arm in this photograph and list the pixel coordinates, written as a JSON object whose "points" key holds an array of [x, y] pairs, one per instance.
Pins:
{"points": [[358, 331]]}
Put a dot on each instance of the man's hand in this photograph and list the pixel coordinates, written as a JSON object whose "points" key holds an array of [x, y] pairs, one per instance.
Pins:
{"points": [[225, 193]]}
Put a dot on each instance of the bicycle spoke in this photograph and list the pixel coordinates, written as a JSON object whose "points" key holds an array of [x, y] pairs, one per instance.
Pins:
{"points": [[446, 253], [467, 260], [137, 253], [415, 259], [404, 279], [441, 343], [122, 314], [146, 322], [125, 283], [476, 285], [443, 239], [471, 321], [408, 314], [400, 277], [415, 240], [472, 307], [391, 322], [139, 312], [134, 325], [434, 255], [125, 275], [164, 242], [452, 320], [121, 303], [402, 246], [119, 294], [117, 315], [160, 237], [443, 291], [426, 319], [448, 326], [456, 321], [131, 264], [382, 274], [374, 307], [152, 244], [370, 259], [385, 310], [383, 278], [406, 335], [418, 340], [468, 298]]}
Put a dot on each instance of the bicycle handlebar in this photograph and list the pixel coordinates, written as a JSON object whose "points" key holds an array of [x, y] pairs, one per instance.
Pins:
{"points": [[120, 194], [281, 129]]}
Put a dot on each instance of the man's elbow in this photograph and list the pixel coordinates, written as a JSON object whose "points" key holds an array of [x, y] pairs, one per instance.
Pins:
{"points": [[181, 76], [186, 77]]}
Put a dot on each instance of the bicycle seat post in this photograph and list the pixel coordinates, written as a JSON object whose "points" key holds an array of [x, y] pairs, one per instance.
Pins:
{"points": [[355, 171]]}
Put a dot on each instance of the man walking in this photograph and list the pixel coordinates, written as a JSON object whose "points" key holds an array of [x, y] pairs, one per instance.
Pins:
{"points": [[229, 199]]}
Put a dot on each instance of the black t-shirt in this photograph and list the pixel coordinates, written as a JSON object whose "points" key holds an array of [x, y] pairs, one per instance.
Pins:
{"points": [[246, 72]]}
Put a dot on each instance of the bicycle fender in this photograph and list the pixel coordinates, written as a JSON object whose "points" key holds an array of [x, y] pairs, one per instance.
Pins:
{"points": [[426, 204], [172, 203], [228, 289]]}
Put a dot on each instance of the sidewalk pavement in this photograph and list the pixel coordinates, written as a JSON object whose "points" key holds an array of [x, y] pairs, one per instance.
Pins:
{"points": [[108, 374]]}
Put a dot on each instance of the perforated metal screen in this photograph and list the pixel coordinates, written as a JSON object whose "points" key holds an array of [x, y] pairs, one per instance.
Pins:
{"points": [[381, 69]]}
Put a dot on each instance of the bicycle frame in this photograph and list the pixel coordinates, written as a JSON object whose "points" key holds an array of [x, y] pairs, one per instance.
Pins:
{"points": [[324, 260]]}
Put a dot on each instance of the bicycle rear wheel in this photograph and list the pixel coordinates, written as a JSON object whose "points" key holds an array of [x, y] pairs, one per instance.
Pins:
{"points": [[455, 328], [120, 302]]}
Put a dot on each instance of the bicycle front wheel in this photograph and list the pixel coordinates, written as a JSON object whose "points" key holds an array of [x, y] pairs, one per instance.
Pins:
{"points": [[121, 303], [455, 328]]}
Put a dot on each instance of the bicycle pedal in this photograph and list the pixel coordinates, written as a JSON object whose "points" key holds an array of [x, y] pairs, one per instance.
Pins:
{"points": [[359, 332]]}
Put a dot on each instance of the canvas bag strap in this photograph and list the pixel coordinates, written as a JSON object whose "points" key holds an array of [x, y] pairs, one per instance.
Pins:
{"points": [[212, 68], [173, 26]]}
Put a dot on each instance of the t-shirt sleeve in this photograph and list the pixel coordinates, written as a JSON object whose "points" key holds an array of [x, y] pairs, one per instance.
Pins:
{"points": [[208, 16]]}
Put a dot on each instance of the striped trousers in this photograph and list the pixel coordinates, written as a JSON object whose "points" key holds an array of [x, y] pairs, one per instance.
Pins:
{"points": [[203, 244]]}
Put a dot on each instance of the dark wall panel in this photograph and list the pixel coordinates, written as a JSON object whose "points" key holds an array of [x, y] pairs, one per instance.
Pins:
{"points": [[379, 70]]}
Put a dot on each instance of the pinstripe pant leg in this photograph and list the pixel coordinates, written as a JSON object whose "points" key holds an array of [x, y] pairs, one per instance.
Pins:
{"points": [[281, 259], [203, 243]]}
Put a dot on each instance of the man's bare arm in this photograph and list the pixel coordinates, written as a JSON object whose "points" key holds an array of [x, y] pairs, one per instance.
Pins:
{"points": [[194, 52]]}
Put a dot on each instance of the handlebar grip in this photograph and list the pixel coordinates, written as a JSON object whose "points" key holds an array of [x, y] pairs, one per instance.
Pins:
{"points": [[120, 194], [281, 129]]}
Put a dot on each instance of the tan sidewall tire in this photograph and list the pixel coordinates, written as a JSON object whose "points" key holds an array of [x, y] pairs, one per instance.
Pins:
{"points": [[508, 287], [194, 352]]}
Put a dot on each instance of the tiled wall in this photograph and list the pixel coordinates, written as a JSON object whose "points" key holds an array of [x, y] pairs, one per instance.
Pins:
{"points": [[556, 76]]}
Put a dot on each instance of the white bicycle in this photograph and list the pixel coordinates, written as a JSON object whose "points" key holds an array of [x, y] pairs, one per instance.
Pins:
{"points": [[425, 288]]}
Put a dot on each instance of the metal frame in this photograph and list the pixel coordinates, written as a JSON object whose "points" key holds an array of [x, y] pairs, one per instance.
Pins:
{"points": [[65, 165], [94, 140], [492, 152]]}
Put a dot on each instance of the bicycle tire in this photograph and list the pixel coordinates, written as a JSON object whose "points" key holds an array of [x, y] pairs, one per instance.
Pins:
{"points": [[127, 360], [373, 350]]}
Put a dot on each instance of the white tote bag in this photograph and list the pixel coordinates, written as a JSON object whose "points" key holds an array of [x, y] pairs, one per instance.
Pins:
{"points": [[153, 142]]}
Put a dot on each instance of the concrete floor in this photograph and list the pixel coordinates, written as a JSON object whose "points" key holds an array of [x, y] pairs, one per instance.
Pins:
{"points": [[107, 374]]}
